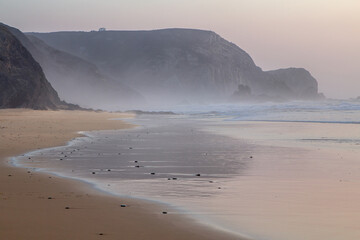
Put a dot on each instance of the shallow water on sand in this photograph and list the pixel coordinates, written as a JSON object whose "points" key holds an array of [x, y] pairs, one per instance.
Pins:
{"points": [[267, 180]]}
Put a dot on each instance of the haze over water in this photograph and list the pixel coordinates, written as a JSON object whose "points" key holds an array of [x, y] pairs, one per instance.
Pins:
{"points": [[271, 171], [319, 35]]}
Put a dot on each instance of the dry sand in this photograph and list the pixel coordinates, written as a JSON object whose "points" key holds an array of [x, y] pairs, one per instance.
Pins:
{"points": [[26, 212]]}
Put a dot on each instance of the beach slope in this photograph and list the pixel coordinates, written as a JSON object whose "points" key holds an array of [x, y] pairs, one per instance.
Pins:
{"points": [[35, 205]]}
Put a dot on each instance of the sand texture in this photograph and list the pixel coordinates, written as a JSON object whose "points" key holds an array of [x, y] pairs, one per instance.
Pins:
{"points": [[33, 205]]}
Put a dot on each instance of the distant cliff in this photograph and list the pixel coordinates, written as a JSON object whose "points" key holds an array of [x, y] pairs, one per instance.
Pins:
{"points": [[181, 65], [22, 81], [77, 80], [300, 82]]}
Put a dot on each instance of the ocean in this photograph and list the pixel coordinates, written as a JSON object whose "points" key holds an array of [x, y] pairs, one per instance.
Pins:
{"points": [[266, 171]]}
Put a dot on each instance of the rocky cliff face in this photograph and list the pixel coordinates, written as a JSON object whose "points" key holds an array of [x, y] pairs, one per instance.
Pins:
{"points": [[181, 64], [77, 80], [22, 81], [300, 82]]}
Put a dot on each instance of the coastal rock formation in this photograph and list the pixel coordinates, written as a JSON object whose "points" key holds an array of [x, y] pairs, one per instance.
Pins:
{"points": [[243, 93], [81, 82], [22, 81], [181, 65], [300, 82], [77, 80]]}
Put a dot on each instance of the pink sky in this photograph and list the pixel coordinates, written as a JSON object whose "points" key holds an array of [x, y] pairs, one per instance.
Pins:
{"points": [[322, 36]]}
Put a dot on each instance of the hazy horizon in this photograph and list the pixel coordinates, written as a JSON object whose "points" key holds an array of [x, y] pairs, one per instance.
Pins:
{"points": [[320, 35]]}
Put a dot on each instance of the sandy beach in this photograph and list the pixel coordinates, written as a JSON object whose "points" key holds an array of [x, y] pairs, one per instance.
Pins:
{"points": [[38, 206]]}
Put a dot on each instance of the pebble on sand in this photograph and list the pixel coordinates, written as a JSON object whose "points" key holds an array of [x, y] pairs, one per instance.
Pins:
{"points": [[123, 205], [164, 212]]}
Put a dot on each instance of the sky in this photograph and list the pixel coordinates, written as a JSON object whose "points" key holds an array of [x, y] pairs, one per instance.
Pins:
{"points": [[322, 36]]}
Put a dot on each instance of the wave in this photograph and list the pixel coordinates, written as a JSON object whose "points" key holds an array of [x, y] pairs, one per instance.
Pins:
{"points": [[330, 111]]}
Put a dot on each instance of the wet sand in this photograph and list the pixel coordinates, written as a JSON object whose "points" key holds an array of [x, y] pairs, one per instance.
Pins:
{"points": [[303, 181], [38, 206]]}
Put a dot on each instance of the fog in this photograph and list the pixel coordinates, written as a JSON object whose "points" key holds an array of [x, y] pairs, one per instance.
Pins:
{"points": [[319, 35], [169, 66]]}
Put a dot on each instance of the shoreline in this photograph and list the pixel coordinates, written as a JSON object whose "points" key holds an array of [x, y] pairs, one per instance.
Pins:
{"points": [[33, 204]]}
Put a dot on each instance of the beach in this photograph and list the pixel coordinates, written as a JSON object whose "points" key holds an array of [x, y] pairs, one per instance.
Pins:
{"points": [[39, 206], [215, 177], [274, 180]]}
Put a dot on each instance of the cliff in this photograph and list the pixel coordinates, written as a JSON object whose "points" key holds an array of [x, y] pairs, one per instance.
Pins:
{"points": [[181, 65], [299, 81], [22, 81], [77, 80]]}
